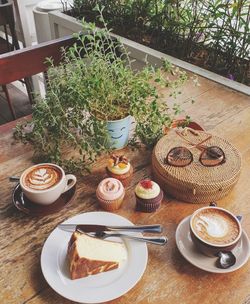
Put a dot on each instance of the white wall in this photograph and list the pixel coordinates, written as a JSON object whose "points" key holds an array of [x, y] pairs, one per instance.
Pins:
{"points": [[25, 25]]}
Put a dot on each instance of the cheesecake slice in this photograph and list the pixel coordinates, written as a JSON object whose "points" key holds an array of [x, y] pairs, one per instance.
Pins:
{"points": [[89, 255]]}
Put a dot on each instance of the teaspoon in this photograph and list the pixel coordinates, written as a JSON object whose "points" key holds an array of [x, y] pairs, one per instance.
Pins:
{"points": [[14, 179], [226, 259]]}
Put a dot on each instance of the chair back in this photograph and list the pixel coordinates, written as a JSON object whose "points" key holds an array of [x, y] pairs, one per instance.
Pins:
{"points": [[31, 60], [7, 20]]}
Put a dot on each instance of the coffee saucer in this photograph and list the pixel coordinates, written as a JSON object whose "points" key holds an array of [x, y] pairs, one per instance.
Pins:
{"points": [[23, 204], [192, 255]]}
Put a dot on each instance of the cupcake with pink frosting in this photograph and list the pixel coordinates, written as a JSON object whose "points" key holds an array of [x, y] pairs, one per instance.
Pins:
{"points": [[110, 193]]}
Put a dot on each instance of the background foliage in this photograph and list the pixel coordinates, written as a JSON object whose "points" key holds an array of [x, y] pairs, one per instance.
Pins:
{"points": [[212, 33]]}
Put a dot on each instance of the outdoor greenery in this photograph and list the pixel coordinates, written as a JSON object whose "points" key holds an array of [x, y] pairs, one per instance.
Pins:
{"points": [[213, 34], [94, 84]]}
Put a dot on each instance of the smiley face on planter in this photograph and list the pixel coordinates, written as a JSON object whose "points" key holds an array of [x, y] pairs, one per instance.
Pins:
{"points": [[115, 132], [119, 132]]}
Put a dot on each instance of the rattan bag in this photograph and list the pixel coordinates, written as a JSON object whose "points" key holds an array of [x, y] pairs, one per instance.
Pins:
{"points": [[195, 183]]}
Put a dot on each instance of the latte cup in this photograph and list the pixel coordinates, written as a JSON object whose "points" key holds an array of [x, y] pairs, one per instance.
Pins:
{"points": [[214, 229], [44, 183]]}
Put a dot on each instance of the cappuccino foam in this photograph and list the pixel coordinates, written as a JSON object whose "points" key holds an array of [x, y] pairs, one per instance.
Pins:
{"points": [[215, 226], [42, 177]]}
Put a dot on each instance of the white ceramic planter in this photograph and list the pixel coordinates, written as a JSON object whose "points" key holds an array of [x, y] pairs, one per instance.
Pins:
{"points": [[119, 132]]}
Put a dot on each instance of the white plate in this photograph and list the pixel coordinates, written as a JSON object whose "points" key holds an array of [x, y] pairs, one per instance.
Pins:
{"points": [[96, 288], [191, 254]]}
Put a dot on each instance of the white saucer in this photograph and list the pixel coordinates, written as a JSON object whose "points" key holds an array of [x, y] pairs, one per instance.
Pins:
{"points": [[97, 288], [192, 255]]}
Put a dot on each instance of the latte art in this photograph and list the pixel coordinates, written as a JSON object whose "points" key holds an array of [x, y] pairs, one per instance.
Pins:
{"points": [[215, 226], [42, 177]]}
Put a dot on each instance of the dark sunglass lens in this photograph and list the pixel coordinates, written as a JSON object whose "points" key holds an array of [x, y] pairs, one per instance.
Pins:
{"points": [[179, 157], [212, 156]]}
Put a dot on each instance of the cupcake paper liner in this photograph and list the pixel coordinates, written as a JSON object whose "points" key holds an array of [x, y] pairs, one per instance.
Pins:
{"points": [[149, 205], [111, 205]]}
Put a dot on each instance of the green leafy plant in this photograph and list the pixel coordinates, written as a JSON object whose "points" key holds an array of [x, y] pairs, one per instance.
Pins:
{"points": [[96, 83]]}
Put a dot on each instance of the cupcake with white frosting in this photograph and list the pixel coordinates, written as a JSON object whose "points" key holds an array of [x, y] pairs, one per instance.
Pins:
{"points": [[110, 193], [148, 196], [120, 168]]}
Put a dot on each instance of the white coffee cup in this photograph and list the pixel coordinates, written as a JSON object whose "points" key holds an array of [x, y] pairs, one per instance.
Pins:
{"points": [[45, 189]]}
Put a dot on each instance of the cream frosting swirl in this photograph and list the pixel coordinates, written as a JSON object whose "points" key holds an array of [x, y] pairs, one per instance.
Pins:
{"points": [[147, 193], [110, 189], [118, 170], [42, 178]]}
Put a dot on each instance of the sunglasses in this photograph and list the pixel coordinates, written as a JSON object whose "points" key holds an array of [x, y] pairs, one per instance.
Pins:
{"points": [[181, 156]]}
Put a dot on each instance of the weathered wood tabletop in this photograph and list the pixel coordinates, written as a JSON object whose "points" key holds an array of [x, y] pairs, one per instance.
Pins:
{"points": [[168, 278]]}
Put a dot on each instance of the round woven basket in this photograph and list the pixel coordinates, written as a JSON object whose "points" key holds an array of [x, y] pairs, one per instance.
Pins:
{"points": [[195, 183]]}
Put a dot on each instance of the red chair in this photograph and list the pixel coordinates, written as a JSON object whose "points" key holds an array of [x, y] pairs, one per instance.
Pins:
{"points": [[31, 60]]}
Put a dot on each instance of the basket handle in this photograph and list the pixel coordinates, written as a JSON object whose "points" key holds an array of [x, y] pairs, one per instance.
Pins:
{"points": [[179, 122]]}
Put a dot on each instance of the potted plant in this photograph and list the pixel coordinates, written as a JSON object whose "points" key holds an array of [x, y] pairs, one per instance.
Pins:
{"points": [[91, 98]]}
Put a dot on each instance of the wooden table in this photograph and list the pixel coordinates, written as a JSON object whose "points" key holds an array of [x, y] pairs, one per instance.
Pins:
{"points": [[168, 278]]}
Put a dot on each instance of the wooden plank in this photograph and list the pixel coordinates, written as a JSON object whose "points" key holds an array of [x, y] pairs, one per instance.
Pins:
{"points": [[10, 126]]}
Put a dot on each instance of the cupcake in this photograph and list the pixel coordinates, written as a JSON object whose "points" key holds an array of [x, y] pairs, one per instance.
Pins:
{"points": [[120, 168], [148, 196], [110, 193]]}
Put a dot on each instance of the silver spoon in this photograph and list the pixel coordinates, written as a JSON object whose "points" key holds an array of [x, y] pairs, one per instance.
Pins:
{"points": [[161, 240], [226, 259], [14, 179]]}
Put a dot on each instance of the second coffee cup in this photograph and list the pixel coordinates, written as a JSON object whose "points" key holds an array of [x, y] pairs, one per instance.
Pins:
{"points": [[44, 183], [214, 229]]}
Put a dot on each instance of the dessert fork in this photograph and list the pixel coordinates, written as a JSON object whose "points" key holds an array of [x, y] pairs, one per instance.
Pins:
{"points": [[161, 240]]}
